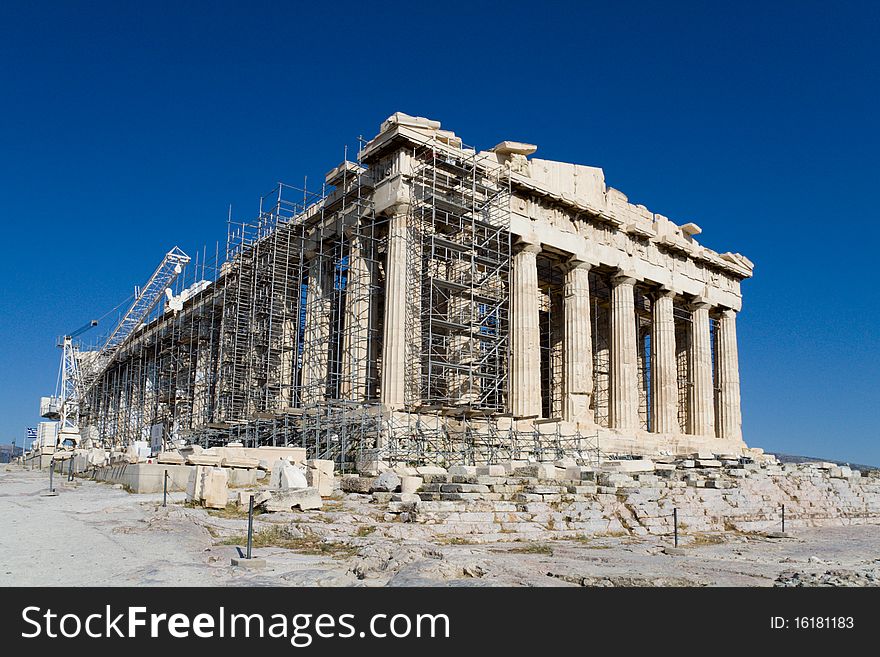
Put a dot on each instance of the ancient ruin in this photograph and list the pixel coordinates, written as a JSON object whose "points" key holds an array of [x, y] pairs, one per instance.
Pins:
{"points": [[435, 304]]}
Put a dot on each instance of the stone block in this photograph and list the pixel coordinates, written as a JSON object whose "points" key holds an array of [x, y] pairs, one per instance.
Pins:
{"points": [[272, 455], [628, 465], [452, 497], [243, 497], [463, 488], [491, 470], [194, 484], [580, 473], [319, 474], [527, 497], [708, 463], [542, 490], [387, 482], [170, 458], [204, 459], [615, 479], [545, 471], [405, 497], [463, 470], [240, 462], [324, 465], [409, 485], [286, 500], [511, 466], [357, 484], [215, 491], [431, 470], [286, 476]]}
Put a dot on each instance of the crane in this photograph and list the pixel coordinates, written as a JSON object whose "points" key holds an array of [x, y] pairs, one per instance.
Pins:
{"points": [[78, 374], [146, 299], [70, 387]]}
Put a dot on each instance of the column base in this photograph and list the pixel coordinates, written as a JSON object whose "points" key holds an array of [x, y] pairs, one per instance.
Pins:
{"points": [[646, 443]]}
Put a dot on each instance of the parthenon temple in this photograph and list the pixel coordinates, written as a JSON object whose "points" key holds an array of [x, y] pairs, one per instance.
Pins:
{"points": [[438, 303]]}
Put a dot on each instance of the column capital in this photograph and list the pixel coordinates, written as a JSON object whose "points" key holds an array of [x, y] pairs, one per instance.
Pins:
{"points": [[700, 303], [728, 313], [576, 263], [664, 292], [624, 277], [401, 207], [521, 246]]}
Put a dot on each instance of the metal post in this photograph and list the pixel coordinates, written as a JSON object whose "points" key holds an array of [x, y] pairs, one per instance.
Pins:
{"points": [[165, 489], [783, 518], [70, 470], [675, 524], [250, 540], [51, 482]]}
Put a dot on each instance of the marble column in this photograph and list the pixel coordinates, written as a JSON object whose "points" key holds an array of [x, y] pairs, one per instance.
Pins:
{"points": [[525, 336], [356, 323], [727, 354], [316, 335], [394, 330], [665, 371], [702, 395], [624, 371], [578, 345]]}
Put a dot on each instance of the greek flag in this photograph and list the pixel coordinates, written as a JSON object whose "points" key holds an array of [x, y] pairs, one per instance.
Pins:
{"points": [[31, 433]]}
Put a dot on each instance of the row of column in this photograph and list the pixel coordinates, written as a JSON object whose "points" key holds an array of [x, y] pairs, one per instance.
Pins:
{"points": [[524, 372], [525, 392]]}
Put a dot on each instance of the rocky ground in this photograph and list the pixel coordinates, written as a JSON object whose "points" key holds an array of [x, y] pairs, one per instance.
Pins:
{"points": [[94, 534]]}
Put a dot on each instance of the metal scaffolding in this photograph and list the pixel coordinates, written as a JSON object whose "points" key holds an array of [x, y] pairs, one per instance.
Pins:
{"points": [[276, 339]]}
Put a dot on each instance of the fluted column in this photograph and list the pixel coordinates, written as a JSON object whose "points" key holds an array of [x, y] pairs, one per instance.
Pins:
{"points": [[525, 337], [729, 402], [578, 344], [702, 396], [624, 370], [665, 372], [316, 336], [356, 329], [394, 333]]}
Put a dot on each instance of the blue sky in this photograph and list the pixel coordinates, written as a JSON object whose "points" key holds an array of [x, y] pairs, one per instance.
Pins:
{"points": [[126, 128]]}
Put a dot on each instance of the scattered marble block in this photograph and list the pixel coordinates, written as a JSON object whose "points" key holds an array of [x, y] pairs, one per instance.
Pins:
{"points": [[194, 484], [409, 485], [215, 491], [170, 458], [286, 476], [304, 499], [387, 482], [203, 459], [319, 474], [240, 462], [357, 484]]}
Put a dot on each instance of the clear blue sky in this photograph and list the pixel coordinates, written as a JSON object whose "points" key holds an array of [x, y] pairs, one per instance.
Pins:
{"points": [[126, 128]]}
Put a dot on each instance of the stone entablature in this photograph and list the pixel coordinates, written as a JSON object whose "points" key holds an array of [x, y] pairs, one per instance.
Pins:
{"points": [[569, 208]]}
